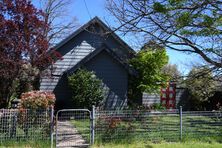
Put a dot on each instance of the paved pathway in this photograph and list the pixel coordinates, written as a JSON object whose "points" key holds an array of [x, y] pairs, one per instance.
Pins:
{"points": [[68, 136]]}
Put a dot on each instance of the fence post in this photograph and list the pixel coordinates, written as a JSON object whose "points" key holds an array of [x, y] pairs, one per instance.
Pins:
{"points": [[52, 126], [181, 126], [93, 125]]}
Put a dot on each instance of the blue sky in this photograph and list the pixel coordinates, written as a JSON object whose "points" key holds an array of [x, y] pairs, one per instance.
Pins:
{"points": [[78, 9]]}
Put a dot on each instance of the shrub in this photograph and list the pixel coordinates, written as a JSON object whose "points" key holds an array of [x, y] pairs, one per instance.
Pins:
{"points": [[86, 89], [37, 100], [158, 106], [114, 128], [33, 111]]}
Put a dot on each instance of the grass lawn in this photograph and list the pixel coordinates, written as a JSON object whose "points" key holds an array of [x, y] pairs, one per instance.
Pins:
{"points": [[46, 144], [153, 128], [25, 144], [83, 127], [160, 145]]}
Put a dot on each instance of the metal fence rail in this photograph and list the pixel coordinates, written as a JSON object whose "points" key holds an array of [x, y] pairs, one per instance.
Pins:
{"points": [[24, 124], [81, 127], [128, 125], [136, 125]]}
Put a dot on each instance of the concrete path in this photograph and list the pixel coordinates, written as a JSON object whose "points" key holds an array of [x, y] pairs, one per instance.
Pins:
{"points": [[68, 136]]}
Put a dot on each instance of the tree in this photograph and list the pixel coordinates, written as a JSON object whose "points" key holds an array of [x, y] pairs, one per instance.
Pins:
{"points": [[56, 16], [86, 89], [148, 63], [172, 72], [201, 87], [22, 42], [183, 25]]}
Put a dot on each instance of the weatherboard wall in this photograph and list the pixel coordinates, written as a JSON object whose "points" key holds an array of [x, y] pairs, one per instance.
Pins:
{"points": [[114, 77], [73, 52]]}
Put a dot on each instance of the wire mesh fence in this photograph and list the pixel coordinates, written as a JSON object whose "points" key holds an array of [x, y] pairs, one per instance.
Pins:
{"points": [[129, 125], [202, 125], [76, 127], [73, 128], [20, 125]]}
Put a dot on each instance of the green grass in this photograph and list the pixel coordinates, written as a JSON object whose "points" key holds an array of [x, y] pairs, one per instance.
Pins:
{"points": [[160, 145], [46, 144], [149, 132], [155, 129], [38, 137], [25, 144], [202, 125], [167, 127], [152, 128], [83, 127]]}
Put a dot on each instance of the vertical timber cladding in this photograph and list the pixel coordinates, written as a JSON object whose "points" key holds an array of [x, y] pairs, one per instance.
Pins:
{"points": [[73, 128], [168, 96]]}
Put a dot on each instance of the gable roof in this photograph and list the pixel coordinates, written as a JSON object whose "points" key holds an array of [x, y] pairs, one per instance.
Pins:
{"points": [[90, 56], [104, 26]]}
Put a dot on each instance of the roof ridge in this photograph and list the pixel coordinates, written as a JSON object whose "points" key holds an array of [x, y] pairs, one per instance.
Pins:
{"points": [[83, 27]]}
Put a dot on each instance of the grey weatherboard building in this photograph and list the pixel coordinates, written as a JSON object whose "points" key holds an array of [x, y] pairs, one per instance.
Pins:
{"points": [[95, 47]]}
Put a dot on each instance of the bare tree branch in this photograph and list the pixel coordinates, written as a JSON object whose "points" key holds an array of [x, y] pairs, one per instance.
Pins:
{"points": [[190, 26], [61, 24]]}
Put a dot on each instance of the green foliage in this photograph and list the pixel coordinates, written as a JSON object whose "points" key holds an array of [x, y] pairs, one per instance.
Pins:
{"points": [[158, 106], [86, 89], [183, 19], [190, 18], [148, 63], [189, 26], [175, 2], [207, 20], [201, 87], [158, 7]]}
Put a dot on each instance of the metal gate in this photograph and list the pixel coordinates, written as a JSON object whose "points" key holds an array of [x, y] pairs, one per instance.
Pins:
{"points": [[73, 128]]}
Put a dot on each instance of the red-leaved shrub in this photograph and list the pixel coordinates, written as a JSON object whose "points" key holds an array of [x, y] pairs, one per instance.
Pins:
{"points": [[37, 100]]}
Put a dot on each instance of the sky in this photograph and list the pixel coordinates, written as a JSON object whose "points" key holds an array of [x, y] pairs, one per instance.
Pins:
{"points": [[84, 10]]}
